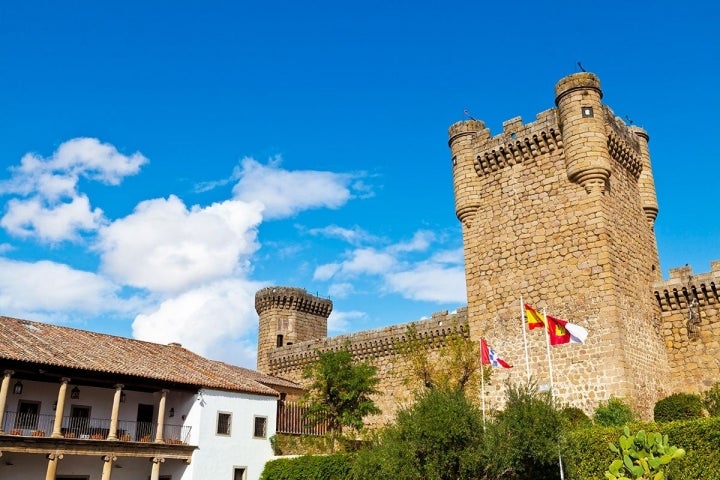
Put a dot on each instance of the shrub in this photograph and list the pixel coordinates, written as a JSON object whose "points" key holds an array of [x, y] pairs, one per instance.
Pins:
{"points": [[700, 439], [329, 467], [613, 413], [525, 439], [711, 400], [575, 417], [587, 455], [678, 406], [439, 438]]}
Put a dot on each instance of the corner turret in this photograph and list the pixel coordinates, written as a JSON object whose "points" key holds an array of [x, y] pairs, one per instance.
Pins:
{"points": [[461, 141], [646, 182], [578, 99]]}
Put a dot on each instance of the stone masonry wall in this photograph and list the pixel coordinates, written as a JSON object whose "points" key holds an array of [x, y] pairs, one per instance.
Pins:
{"points": [[552, 211], [288, 315], [379, 348], [690, 316]]}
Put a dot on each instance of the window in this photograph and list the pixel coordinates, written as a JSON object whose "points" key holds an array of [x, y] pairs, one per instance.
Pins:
{"points": [[279, 342], [27, 414], [260, 427], [239, 473], [223, 423]]}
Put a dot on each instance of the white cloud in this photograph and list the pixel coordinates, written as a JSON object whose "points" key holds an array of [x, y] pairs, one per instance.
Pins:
{"points": [[327, 271], [210, 320], [421, 241], [164, 246], [339, 322], [61, 221], [284, 193], [430, 282], [46, 286], [353, 236], [57, 175], [368, 261], [340, 290], [52, 209]]}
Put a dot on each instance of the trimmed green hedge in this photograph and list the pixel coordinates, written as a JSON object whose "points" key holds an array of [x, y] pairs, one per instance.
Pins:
{"points": [[309, 467], [587, 455]]}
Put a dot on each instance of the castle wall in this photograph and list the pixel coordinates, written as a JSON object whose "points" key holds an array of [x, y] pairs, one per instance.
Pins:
{"points": [[552, 211], [377, 347], [690, 316], [560, 212]]}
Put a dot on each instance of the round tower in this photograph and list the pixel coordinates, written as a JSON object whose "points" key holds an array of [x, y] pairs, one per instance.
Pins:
{"points": [[462, 137], [646, 182], [578, 99], [288, 315]]}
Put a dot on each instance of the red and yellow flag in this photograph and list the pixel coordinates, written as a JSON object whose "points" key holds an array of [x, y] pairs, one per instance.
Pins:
{"points": [[533, 318], [560, 331]]}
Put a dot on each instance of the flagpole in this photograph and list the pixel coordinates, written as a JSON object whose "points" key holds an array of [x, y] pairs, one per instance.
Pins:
{"points": [[482, 380], [552, 391], [522, 326]]}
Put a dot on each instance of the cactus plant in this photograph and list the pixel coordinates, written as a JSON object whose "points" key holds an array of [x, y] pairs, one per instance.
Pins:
{"points": [[642, 456]]}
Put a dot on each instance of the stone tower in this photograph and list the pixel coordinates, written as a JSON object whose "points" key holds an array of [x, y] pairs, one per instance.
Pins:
{"points": [[287, 316], [560, 211]]}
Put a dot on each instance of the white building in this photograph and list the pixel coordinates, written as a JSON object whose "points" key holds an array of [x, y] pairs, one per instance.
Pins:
{"points": [[81, 405]]}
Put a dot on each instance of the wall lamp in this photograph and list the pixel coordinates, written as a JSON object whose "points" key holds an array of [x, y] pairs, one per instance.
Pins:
{"points": [[75, 393], [123, 397], [17, 389], [172, 412]]}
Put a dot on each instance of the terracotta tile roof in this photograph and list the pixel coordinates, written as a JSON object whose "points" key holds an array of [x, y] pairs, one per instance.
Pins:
{"points": [[52, 345]]}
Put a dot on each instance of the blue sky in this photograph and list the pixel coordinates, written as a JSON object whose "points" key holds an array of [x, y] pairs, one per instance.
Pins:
{"points": [[161, 161]]}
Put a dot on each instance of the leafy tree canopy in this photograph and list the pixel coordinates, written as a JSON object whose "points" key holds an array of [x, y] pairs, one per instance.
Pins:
{"points": [[340, 391]]}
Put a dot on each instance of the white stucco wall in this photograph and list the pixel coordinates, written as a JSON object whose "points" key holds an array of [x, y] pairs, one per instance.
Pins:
{"points": [[218, 455]]}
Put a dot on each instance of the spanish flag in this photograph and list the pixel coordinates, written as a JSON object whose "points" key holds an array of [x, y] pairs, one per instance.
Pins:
{"points": [[533, 318]]}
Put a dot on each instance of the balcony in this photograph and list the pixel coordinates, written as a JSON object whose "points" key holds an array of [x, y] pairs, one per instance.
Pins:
{"points": [[38, 425]]}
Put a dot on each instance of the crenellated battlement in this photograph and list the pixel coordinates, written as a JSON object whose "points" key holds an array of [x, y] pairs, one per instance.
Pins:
{"points": [[623, 145], [370, 344], [519, 143], [291, 298], [682, 288]]}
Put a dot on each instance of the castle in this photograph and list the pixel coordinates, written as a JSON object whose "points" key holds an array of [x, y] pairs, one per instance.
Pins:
{"points": [[560, 212]]}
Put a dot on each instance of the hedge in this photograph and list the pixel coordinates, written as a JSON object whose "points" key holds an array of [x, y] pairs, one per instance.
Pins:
{"points": [[309, 467], [587, 455]]}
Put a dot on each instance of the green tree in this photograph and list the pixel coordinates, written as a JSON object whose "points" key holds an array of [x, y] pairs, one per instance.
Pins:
{"points": [[452, 362], [438, 438], [525, 439], [340, 391]]}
